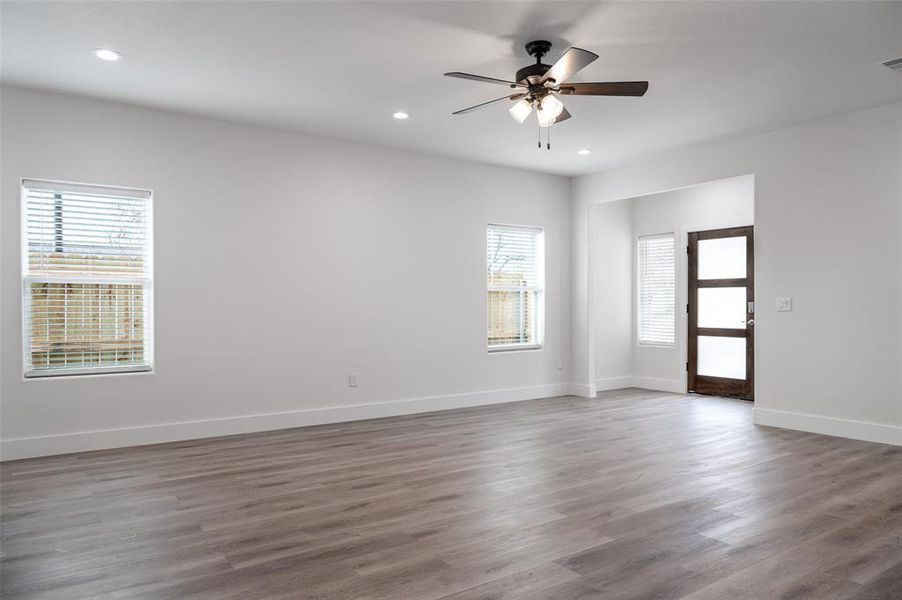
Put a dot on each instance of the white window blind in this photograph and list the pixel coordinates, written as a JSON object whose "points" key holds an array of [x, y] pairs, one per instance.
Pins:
{"points": [[515, 268], [87, 279], [656, 289]]}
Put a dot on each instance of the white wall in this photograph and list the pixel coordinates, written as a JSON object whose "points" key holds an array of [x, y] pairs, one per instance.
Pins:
{"points": [[283, 263], [827, 227], [582, 345], [612, 260]]}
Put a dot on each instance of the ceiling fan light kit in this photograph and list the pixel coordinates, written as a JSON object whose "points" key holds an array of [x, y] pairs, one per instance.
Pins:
{"points": [[521, 109], [546, 118], [539, 85], [553, 105]]}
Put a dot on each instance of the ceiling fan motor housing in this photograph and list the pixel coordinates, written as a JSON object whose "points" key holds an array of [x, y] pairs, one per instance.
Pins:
{"points": [[535, 71], [537, 48]]}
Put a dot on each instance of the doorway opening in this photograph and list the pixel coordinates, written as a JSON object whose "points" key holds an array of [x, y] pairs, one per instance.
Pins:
{"points": [[640, 290]]}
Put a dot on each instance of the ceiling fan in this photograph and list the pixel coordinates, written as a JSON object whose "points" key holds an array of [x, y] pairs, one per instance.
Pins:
{"points": [[540, 86]]}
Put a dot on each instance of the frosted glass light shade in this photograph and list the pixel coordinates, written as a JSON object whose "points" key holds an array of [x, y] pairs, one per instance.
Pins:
{"points": [[520, 110], [552, 105], [546, 118]]}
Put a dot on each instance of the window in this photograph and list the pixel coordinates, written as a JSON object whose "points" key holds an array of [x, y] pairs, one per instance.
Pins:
{"points": [[515, 267], [87, 279], [656, 290]]}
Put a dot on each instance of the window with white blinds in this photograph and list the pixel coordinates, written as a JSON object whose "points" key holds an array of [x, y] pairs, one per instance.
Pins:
{"points": [[87, 279], [657, 287], [515, 269]]}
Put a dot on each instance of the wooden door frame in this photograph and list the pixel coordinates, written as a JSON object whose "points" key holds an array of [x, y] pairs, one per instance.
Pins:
{"points": [[718, 385]]}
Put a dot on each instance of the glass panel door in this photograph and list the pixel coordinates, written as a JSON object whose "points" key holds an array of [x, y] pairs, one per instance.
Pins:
{"points": [[721, 312]]}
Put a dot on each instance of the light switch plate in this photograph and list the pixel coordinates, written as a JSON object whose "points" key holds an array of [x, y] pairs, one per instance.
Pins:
{"points": [[352, 380], [784, 304]]}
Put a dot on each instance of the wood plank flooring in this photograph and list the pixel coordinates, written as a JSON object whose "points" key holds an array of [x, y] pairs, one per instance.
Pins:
{"points": [[636, 494]]}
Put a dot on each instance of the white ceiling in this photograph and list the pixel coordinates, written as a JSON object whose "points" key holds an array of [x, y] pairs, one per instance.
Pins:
{"points": [[339, 69]]}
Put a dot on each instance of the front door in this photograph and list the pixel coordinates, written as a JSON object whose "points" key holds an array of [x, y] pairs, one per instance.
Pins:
{"points": [[721, 312]]}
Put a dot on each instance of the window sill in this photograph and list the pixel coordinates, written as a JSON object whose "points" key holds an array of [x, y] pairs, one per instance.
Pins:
{"points": [[518, 348], [53, 373]]}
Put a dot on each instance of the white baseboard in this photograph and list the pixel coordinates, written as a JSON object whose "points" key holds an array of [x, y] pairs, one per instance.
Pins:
{"points": [[28, 447], [660, 384], [649, 383], [583, 390], [613, 383], [847, 428]]}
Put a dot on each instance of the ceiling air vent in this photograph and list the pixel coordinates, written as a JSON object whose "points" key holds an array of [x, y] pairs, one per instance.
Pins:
{"points": [[894, 64]]}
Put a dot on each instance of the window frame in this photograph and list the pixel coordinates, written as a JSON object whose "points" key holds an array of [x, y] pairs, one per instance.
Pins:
{"points": [[538, 290], [26, 278], [639, 279]]}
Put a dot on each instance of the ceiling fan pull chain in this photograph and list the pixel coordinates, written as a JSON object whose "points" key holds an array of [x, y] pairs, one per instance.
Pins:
{"points": [[539, 127], [548, 140]]}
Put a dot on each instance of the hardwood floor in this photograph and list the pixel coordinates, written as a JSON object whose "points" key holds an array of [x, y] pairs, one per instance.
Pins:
{"points": [[634, 495]]}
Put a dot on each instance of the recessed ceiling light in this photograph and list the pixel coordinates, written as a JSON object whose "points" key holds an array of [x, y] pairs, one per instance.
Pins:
{"points": [[108, 55], [400, 115], [584, 152]]}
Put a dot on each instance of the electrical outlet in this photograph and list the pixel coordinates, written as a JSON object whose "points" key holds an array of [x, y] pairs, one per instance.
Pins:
{"points": [[559, 364], [784, 304], [352, 380]]}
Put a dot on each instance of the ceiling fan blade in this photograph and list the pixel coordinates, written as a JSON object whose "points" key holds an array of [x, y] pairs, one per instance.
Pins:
{"points": [[566, 66], [484, 104], [565, 114], [608, 88], [460, 75]]}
